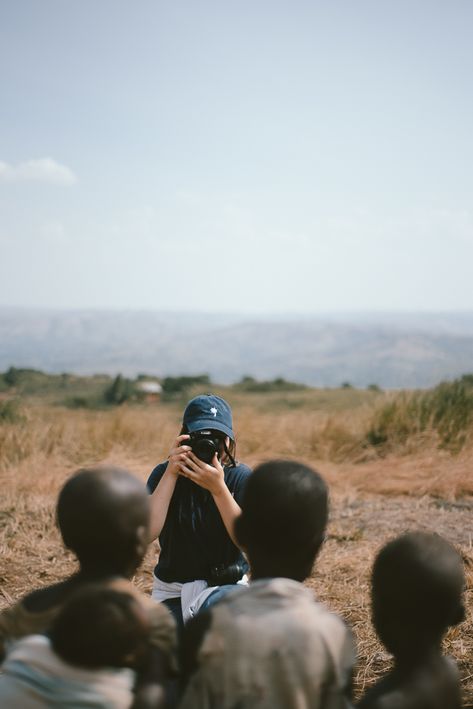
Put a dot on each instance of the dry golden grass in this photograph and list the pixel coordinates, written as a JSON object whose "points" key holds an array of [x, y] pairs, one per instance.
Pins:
{"points": [[372, 499]]}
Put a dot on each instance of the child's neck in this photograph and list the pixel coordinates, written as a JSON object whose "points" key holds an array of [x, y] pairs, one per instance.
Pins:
{"points": [[99, 572], [409, 661]]}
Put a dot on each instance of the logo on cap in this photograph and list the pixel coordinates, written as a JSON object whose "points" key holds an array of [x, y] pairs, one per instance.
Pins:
{"points": [[213, 411]]}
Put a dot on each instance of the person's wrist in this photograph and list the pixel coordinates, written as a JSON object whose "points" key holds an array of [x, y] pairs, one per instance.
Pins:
{"points": [[172, 470], [218, 488]]}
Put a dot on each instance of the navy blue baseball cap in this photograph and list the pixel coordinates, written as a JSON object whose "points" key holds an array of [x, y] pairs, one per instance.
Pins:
{"points": [[209, 411]]}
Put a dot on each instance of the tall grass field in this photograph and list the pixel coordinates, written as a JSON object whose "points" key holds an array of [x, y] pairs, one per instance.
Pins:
{"points": [[394, 462]]}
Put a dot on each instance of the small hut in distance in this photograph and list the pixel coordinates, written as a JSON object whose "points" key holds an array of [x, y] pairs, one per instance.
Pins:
{"points": [[148, 390]]}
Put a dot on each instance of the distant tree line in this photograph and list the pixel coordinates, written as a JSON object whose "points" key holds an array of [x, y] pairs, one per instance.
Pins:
{"points": [[102, 390]]}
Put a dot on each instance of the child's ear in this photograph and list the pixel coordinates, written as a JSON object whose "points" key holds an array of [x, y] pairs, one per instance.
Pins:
{"points": [[142, 539]]}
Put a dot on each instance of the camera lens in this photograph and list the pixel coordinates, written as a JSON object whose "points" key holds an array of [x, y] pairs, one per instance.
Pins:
{"points": [[205, 449]]}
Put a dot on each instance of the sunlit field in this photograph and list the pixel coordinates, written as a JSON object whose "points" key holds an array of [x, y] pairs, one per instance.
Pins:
{"points": [[419, 479]]}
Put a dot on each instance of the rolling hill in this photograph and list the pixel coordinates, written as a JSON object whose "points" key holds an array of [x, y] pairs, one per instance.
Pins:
{"points": [[391, 350]]}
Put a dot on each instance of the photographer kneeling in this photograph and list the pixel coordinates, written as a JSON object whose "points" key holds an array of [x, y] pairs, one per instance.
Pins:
{"points": [[195, 500]]}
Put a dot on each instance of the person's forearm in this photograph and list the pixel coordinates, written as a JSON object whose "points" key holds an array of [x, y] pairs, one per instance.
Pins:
{"points": [[229, 510], [161, 497], [160, 500]]}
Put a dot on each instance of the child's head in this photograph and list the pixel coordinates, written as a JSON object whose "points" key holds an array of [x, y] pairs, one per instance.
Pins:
{"points": [[283, 519], [100, 627], [103, 515], [417, 585]]}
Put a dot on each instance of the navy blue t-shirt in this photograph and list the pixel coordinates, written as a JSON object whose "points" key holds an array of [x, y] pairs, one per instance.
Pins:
{"points": [[194, 538]]}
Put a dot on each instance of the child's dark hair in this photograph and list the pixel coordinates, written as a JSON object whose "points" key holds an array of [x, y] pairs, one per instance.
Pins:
{"points": [[417, 585], [100, 627], [284, 516], [99, 512]]}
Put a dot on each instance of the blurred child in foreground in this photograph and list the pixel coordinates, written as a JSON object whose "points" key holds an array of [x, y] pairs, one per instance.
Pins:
{"points": [[96, 642], [417, 585], [103, 515], [272, 645]]}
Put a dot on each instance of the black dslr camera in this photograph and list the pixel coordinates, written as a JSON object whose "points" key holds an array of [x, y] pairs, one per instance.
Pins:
{"points": [[221, 575], [204, 444]]}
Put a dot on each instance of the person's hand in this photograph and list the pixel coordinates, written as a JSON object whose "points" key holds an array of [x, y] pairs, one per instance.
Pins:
{"points": [[178, 455], [210, 477]]}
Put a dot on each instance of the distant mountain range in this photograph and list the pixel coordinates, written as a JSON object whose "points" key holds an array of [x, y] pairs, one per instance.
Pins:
{"points": [[391, 350]]}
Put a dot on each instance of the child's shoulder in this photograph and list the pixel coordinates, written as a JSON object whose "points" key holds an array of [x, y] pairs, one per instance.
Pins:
{"points": [[434, 684], [394, 699], [44, 599], [31, 615]]}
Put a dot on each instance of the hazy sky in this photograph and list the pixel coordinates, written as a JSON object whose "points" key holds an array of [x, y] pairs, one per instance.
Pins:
{"points": [[295, 156]]}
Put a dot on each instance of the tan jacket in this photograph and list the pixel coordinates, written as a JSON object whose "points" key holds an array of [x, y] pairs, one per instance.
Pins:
{"points": [[272, 646]]}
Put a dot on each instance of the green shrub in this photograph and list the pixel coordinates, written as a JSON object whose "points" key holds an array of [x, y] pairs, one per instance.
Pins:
{"points": [[446, 411], [174, 386], [119, 391], [83, 402], [10, 412], [279, 384]]}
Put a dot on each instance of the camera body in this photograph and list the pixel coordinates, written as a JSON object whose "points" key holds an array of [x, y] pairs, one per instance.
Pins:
{"points": [[205, 444]]}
